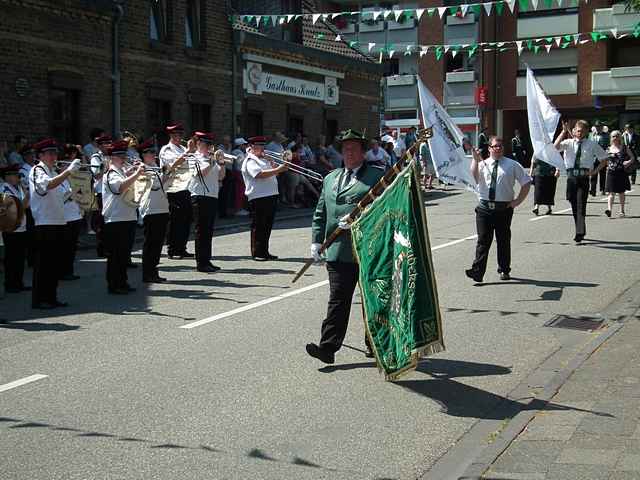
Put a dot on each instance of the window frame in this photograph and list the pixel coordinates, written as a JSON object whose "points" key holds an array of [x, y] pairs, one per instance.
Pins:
{"points": [[159, 17]]}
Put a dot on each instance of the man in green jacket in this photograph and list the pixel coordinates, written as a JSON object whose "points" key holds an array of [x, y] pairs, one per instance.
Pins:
{"points": [[342, 189]]}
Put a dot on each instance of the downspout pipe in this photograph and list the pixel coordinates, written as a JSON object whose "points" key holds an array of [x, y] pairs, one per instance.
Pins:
{"points": [[118, 14]]}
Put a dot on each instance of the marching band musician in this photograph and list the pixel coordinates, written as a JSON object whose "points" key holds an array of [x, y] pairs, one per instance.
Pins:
{"points": [[342, 189], [28, 155], [73, 219], [261, 188], [207, 171], [47, 205], [99, 163], [15, 242], [154, 210], [172, 157], [119, 217]]}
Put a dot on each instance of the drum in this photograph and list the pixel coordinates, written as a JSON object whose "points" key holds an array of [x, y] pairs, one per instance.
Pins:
{"points": [[11, 213], [81, 191]]}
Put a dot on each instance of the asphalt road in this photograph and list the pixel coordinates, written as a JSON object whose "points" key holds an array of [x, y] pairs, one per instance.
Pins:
{"points": [[128, 394]]}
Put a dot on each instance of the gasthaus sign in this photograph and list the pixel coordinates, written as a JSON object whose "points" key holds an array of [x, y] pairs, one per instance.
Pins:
{"points": [[258, 82]]}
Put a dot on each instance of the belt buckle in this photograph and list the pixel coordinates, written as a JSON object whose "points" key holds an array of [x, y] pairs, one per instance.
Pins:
{"points": [[491, 205]]}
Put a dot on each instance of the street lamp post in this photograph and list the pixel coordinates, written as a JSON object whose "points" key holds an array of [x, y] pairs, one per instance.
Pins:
{"points": [[118, 14]]}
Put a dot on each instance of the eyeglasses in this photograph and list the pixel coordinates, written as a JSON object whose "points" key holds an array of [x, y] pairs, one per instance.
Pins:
{"points": [[495, 146]]}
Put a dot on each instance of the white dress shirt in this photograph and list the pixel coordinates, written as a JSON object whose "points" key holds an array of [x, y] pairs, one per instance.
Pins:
{"points": [[47, 206], [155, 200], [18, 193], [258, 187], [207, 185], [509, 172], [114, 208], [98, 167], [181, 176], [590, 151]]}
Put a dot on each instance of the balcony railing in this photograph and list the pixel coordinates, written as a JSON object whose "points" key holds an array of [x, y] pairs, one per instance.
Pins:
{"points": [[548, 25], [616, 17], [459, 77], [558, 84], [617, 81]]}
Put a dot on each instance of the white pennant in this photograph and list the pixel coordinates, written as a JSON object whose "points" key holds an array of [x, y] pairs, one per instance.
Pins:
{"points": [[454, 53], [391, 52], [325, 16], [338, 38], [398, 14], [614, 31], [380, 60], [548, 47], [419, 12], [519, 44], [424, 51], [377, 14], [289, 18], [282, 21], [335, 15], [446, 48], [258, 19], [441, 11], [371, 45], [386, 14], [558, 40], [315, 17], [512, 5], [274, 20], [582, 42], [463, 9], [500, 44], [560, 3], [487, 8], [535, 4], [576, 38]]}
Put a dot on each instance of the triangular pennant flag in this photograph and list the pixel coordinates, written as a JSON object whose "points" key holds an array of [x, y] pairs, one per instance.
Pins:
{"points": [[463, 9], [338, 38], [408, 50], [391, 52], [472, 50], [566, 44], [419, 12], [424, 51], [274, 20], [289, 18], [548, 47], [454, 52], [595, 36], [335, 15], [582, 42], [559, 3], [487, 8], [530, 44], [453, 10], [512, 5], [352, 43], [298, 17], [614, 32], [519, 45], [535, 4], [548, 39], [258, 19], [386, 14], [325, 16], [431, 12], [576, 38], [536, 49], [499, 7], [446, 48], [524, 5], [548, 4], [398, 14], [315, 17], [377, 14], [500, 44], [438, 53], [371, 45], [282, 21], [442, 11], [476, 8], [558, 40]]}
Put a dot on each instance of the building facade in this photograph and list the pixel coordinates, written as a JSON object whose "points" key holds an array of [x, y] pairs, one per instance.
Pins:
{"points": [[177, 60]]}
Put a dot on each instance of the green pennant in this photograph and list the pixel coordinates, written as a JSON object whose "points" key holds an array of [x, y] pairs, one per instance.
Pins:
{"points": [[548, 3], [431, 11], [595, 36], [530, 44], [266, 19], [524, 5], [476, 9], [536, 49], [297, 17], [492, 44], [353, 43], [567, 38], [439, 51], [453, 10], [636, 31], [321, 36], [472, 50], [499, 7], [548, 39], [565, 45]]}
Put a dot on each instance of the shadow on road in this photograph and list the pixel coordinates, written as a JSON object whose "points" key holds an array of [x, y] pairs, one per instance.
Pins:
{"points": [[554, 294], [37, 326]]}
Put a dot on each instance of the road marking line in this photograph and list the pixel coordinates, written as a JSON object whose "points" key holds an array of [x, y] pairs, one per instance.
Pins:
{"points": [[22, 381], [455, 242], [548, 216]]}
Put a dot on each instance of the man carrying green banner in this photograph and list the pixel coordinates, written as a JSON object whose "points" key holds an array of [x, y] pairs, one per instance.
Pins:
{"points": [[342, 189]]}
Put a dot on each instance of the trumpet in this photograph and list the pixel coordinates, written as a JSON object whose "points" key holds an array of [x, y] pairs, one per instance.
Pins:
{"points": [[69, 162], [147, 168], [280, 158]]}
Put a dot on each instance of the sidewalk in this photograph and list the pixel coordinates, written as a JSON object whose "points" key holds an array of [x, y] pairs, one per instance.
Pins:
{"points": [[591, 428]]}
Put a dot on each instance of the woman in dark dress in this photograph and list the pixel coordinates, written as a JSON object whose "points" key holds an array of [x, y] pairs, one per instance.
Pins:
{"points": [[620, 156], [545, 178]]}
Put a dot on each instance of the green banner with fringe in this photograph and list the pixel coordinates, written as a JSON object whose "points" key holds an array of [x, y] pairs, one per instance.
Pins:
{"points": [[397, 281]]}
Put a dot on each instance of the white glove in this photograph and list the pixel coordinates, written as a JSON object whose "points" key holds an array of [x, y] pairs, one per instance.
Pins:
{"points": [[315, 252], [343, 224], [74, 166]]}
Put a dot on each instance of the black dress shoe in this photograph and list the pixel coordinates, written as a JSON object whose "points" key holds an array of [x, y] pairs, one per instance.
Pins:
{"points": [[578, 239], [215, 267], [319, 353], [43, 306], [260, 259], [207, 269], [272, 257], [369, 353], [473, 276], [505, 276], [159, 279], [607, 213], [186, 254]]}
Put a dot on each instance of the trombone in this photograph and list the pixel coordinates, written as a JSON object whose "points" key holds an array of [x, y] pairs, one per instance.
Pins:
{"points": [[280, 159]]}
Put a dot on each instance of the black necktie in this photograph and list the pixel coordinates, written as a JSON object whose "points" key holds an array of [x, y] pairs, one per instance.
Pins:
{"points": [[494, 180], [576, 164], [347, 179]]}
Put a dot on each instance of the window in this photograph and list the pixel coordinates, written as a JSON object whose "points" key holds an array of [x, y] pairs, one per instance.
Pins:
{"points": [[64, 116], [158, 20], [158, 117], [193, 24], [201, 117]]}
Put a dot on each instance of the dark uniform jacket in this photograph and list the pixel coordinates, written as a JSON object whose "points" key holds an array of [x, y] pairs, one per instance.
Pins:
{"points": [[334, 204]]}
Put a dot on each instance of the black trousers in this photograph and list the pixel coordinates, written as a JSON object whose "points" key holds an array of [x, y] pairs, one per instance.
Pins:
{"points": [[97, 224], [15, 246], [31, 237], [155, 229], [47, 263], [226, 195], [602, 176], [117, 237], [263, 212], [343, 278], [632, 177], [577, 194], [204, 214], [180, 217], [70, 246], [489, 222]]}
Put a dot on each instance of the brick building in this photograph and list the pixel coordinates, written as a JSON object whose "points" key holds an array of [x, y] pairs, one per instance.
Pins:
{"points": [[592, 81], [177, 60]]}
